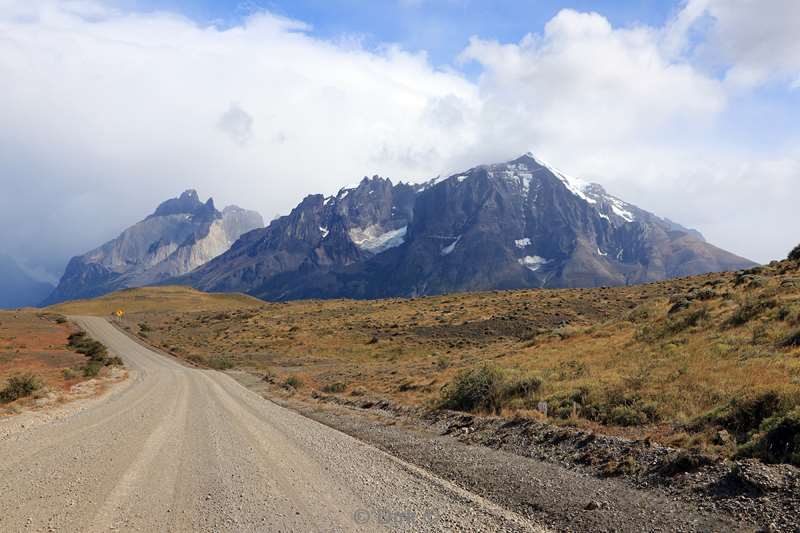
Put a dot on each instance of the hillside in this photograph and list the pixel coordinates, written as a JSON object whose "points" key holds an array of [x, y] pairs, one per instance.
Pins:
{"points": [[678, 361]]}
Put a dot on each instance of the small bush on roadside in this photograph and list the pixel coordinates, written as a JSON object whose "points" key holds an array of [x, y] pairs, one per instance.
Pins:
{"points": [[87, 346], [19, 386], [474, 389], [743, 415], [777, 440], [522, 386], [293, 382], [489, 388], [334, 387], [220, 363], [92, 369], [69, 373]]}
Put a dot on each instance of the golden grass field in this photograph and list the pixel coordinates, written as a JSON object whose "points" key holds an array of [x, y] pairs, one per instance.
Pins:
{"points": [[643, 360]]}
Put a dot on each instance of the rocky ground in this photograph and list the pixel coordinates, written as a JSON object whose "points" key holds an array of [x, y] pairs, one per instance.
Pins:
{"points": [[564, 478]]}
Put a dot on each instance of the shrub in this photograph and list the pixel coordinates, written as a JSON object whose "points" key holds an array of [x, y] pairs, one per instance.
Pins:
{"points": [[792, 340], [334, 387], [794, 255], [20, 386], [293, 382], [741, 416], [89, 347], [749, 309], [92, 369], [777, 441], [220, 363], [474, 389], [488, 388], [522, 387]]}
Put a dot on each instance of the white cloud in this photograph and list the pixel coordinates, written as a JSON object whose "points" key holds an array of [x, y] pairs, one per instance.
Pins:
{"points": [[107, 113], [755, 41], [587, 84], [111, 112]]}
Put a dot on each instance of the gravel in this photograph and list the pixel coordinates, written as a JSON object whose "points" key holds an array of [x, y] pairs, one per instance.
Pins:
{"points": [[182, 449]]}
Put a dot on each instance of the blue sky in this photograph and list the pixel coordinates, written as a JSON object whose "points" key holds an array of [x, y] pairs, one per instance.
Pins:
{"points": [[442, 28]]}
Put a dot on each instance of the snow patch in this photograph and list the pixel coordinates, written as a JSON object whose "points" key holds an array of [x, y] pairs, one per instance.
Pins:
{"points": [[522, 243], [532, 262], [575, 185], [371, 240], [618, 207], [324, 231], [601, 252], [447, 250]]}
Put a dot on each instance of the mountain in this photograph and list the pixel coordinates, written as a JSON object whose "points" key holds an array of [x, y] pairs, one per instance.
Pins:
{"points": [[510, 225], [17, 288], [182, 234]]}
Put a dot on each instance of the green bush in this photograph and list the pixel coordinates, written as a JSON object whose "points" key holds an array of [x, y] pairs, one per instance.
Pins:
{"points": [[749, 309], [92, 369], [474, 389], [777, 440], [87, 346], [615, 406], [293, 382], [743, 415], [794, 255], [522, 386], [488, 388], [334, 387], [792, 340], [220, 363], [20, 386]]}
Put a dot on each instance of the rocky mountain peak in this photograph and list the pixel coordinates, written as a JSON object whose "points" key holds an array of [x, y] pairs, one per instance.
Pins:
{"points": [[520, 223], [182, 234]]}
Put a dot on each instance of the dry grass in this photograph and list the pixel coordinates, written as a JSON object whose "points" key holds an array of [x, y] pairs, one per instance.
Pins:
{"points": [[155, 299], [31, 344], [648, 359]]}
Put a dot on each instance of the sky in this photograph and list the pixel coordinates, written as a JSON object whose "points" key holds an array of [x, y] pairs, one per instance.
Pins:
{"points": [[689, 109]]}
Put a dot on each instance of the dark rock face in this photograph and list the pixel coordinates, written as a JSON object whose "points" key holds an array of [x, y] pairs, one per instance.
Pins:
{"points": [[182, 234], [17, 288], [511, 225], [319, 235]]}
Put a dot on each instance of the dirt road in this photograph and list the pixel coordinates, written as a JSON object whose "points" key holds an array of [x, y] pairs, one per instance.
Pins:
{"points": [[182, 449]]}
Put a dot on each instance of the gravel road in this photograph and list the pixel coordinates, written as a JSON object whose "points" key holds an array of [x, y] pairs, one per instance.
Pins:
{"points": [[182, 449]]}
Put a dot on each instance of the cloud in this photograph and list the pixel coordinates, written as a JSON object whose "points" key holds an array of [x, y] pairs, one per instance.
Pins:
{"points": [[755, 42], [111, 112], [237, 124], [587, 84]]}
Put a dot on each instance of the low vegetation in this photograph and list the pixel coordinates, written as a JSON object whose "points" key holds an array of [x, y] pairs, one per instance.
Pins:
{"points": [[19, 386], [95, 351], [794, 255], [709, 363]]}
